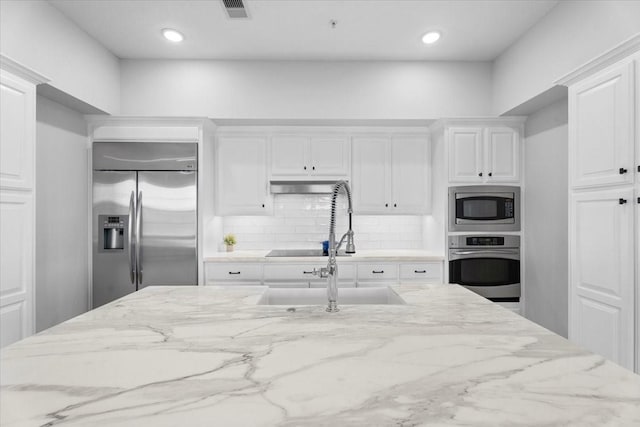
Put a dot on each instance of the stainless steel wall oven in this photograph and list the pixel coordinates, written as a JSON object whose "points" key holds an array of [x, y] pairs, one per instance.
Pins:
{"points": [[487, 265]]}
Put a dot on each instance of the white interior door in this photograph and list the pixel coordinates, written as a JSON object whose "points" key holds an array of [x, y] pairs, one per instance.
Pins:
{"points": [[601, 129], [465, 155], [602, 274]]}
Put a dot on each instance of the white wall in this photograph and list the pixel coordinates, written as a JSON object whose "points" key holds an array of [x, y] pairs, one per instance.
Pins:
{"points": [[38, 36], [546, 209], [61, 214], [302, 222], [305, 89], [571, 34]]}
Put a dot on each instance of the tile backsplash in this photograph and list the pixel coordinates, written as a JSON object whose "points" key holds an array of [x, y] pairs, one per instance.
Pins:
{"points": [[302, 221]]}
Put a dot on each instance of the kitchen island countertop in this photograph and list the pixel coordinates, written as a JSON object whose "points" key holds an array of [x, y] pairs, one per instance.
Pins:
{"points": [[205, 356]]}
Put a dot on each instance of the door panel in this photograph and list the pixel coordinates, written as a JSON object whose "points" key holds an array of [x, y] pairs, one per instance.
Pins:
{"points": [[465, 155], [371, 175], [410, 178], [289, 156], [112, 193], [329, 156], [168, 232], [502, 155], [602, 269], [602, 129]]}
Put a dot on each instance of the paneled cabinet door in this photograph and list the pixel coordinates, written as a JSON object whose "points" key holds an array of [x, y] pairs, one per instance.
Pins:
{"points": [[502, 151], [17, 132], [602, 274], [371, 175], [16, 266], [601, 128], [289, 155], [242, 177], [465, 154], [329, 156], [410, 181]]}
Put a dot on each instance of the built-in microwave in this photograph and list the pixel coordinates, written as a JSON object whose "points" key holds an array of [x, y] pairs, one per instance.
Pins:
{"points": [[484, 208]]}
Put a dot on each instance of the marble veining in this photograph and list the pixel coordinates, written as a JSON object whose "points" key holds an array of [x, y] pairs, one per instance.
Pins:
{"points": [[209, 356]]}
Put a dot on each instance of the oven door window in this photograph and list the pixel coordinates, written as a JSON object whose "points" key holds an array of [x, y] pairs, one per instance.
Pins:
{"points": [[484, 208], [484, 271]]}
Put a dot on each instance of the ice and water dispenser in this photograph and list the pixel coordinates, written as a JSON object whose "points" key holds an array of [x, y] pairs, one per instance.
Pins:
{"points": [[112, 231]]}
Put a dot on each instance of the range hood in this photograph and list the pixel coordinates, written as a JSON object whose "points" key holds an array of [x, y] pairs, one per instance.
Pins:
{"points": [[302, 187]]}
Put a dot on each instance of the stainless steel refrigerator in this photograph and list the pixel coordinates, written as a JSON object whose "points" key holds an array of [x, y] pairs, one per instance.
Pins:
{"points": [[144, 217]]}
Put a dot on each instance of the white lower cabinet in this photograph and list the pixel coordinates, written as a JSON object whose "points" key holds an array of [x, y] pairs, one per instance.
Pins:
{"points": [[242, 273], [300, 275]]}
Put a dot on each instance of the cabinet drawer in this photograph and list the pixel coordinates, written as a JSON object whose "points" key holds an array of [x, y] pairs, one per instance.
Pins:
{"points": [[240, 272], [377, 272], [303, 272], [429, 271]]}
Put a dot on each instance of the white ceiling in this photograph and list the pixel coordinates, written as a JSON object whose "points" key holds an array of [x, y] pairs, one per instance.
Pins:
{"points": [[300, 30]]}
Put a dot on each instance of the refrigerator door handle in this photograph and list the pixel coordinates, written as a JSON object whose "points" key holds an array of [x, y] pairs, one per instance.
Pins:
{"points": [[139, 238], [130, 237]]}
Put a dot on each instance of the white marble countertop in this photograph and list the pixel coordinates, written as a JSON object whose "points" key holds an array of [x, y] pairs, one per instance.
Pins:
{"points": [[205, 356], [378, 255]]}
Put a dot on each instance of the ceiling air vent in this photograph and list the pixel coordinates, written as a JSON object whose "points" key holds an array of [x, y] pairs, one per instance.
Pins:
{"points": [[235, 8]]}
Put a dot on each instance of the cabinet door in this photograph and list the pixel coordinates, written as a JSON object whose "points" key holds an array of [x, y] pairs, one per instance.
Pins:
{"points": [[465, 155], [601, 128], [503, 155], [289, 156], [371, 175], [16, 266], [17, 132], [410, 178], [242, 178], [601, 274], [329, 156]]}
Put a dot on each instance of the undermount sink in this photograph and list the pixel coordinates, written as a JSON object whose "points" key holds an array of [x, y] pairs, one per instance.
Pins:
{"points": [[318, 296]]}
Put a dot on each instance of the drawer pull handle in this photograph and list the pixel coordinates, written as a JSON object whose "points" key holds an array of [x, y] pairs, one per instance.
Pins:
{"points": [[378, 271], [307, 272], [420, 271], [234, 272]]}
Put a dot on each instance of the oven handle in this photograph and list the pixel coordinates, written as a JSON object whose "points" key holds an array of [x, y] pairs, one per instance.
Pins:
{"points": [[482, 251]]}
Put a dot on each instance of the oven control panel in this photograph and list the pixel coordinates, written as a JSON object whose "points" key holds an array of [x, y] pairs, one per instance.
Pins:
{"points": [[485, 241]]}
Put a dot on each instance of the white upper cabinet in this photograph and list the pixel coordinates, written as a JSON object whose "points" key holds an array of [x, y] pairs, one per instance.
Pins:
{"points": [[391, 175], [242, 176], [17, 132], [484, 154], [601, 128], [465, 155], [502, 155], [410, 181], [307, 156], [371, 175]]}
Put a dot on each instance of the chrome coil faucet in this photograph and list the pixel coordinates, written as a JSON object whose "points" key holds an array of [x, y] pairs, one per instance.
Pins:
{"points": [[330, 272]]}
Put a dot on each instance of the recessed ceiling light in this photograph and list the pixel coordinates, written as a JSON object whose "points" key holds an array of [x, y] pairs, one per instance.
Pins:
{"points": [[172, 35], [431, 37]]}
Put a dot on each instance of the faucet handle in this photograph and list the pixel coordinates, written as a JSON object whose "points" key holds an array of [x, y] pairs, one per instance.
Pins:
{"points": [[322, 273]]}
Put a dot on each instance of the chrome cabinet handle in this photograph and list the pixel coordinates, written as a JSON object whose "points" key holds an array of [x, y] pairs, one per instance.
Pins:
{"points": [[139, 238], [130, 236]]}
